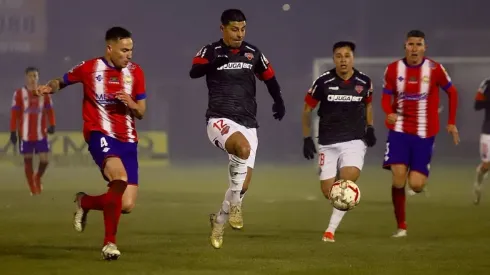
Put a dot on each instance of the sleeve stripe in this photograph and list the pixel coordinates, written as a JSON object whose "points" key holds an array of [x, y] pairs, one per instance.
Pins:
{"points": [[200, 60], [65, 79], [311, 101], [447, 86], [387, 91], [141, 96]]}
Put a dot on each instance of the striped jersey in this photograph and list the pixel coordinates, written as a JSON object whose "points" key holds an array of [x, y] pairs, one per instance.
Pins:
{"points": [[102, 111], [29, 114], [416, 96]]}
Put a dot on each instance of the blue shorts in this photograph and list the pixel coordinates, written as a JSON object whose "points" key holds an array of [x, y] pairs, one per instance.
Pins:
{"points": [[34, 147], [102, 147], [413, 151]]}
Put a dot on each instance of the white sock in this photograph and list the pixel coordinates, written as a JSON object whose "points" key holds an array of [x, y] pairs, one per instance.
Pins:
{"points": [[238, 173], [335, 219], [222, 215], [480, 175]]}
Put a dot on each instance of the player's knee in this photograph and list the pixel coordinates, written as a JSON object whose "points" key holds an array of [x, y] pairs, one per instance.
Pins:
{"points": [[399, 175], [350, 173], [243, 150], [485, 166], [127, 206], [416, 181]]}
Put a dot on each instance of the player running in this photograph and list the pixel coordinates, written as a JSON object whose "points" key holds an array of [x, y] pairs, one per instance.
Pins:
{"points": [[345, 126], [230, 66], [114, 95], [413, 119], [482, 102], [28, 122]]}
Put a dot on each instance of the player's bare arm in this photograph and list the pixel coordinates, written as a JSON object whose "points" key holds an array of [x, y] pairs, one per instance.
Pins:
{"points": [[452, 95], [138, 108]]}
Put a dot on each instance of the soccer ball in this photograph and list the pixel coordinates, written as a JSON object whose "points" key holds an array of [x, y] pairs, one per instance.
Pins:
{"points": [[345, 195]]}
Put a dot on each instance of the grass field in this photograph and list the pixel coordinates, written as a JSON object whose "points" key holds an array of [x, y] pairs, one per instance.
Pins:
{"points": [[284, 214]]}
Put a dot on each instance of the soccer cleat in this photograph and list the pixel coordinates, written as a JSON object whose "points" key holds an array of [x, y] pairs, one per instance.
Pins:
{"points": [[217, 231], [400, 233], [328, 237], [477, 193], [37, 183], [236, 218], [80, 215], [110, 252]]}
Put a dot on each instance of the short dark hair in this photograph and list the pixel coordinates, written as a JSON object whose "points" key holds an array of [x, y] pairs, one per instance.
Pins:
{"points": [[342, 44], [416, 33], [231, 15], [31, 69], [117, 33]]}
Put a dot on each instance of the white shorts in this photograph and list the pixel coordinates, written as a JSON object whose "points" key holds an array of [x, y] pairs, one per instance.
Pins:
{"points": [[335, 156], [220, 129], [484, 147]]}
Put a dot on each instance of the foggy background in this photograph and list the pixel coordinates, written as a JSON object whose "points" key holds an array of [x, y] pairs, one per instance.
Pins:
{"points": [[56, 35]]}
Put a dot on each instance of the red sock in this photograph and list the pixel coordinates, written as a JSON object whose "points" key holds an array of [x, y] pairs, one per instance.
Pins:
{"points": [[112, 209], [398, 198], [93, 202], [41, 168], [29, 173]]}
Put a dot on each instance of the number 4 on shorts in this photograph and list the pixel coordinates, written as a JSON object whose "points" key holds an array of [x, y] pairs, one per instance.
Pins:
{"points": [[104, 144]]}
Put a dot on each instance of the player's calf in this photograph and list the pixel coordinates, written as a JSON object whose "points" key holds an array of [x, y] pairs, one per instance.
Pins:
{"points": [[481, 174], [129, 198]]}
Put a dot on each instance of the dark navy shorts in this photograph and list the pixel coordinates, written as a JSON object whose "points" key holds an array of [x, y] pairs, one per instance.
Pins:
{"points": [[413, 151], [34, 147], [102, 147]]}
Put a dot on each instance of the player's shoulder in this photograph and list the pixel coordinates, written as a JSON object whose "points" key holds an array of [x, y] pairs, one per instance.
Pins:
{"points": [[434, 64], [484, 84], [134, 67], [394, 64], [250, 47], [325, 77], [362, 77]]}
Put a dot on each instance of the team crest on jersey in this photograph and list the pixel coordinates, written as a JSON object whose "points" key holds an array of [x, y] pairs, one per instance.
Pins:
{"points": [[249, 56], [113, 80], [426, 79], [128, 80], [359, 89]]}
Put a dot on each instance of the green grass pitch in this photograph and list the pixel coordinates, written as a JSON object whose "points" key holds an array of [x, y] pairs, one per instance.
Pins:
{"points": [[285, 216]]}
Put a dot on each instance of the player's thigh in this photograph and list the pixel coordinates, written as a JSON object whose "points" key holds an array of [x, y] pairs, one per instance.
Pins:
{"points": [[397, 150], [251, 135], [351, 159], [421, 155], [27, 148], [129, 158], [226, 135], [485, 150], [106, 153], [42, 149]]}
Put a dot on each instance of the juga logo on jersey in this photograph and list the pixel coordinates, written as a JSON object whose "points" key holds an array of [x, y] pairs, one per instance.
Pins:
{"points": [[344, 98], [236, 66]]}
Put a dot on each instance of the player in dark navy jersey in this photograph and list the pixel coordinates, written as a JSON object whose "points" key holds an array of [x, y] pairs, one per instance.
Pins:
{"points": [[346, 124], [231, 66]]}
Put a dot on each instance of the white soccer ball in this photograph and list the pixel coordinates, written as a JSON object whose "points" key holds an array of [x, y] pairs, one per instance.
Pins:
{"points": [[345, 195]]}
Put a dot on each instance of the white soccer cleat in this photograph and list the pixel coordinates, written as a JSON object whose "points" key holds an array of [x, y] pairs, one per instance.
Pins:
{"points": [[400, 233], [80, 215], [110, 252], [236, 218], [217, 232]]}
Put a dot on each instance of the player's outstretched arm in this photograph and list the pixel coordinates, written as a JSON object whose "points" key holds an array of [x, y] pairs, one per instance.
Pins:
{"points": [[56, 84]]}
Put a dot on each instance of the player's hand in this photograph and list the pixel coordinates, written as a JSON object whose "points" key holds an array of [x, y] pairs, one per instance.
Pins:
{"points": [[278, 110], [42, 90], [370, 137], [50, 130], [220, 60], [451, 129], [309, 149], [13, 137], [126, 99], [391, 118]]}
